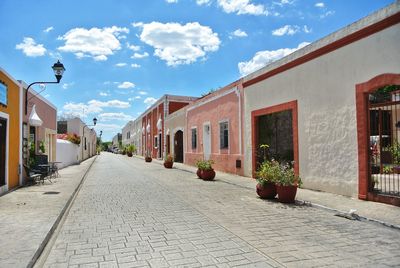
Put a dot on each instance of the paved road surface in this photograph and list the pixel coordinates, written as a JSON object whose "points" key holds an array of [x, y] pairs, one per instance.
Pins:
{"points": [[134, 214]]}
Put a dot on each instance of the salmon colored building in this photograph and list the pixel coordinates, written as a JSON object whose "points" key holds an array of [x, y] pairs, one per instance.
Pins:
{"points": [[45, 134], [214, 129], [10, 132], [154, 139]]}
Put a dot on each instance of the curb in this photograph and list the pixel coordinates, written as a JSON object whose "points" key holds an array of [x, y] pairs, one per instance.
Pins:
{"points": [[304, 202], [44, 243]]}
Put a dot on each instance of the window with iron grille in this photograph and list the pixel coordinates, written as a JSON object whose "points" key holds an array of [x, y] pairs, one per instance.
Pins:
{"points": [[194, 138], [223, 135]]}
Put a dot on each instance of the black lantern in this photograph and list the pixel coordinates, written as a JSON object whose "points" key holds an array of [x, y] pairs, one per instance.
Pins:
{"points": [[94, 121], [58, 69]]}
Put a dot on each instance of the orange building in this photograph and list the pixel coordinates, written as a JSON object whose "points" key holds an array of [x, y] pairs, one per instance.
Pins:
{"points": [[10, 132]]}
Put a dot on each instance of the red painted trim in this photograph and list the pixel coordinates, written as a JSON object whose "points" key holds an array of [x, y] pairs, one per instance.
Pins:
{"points": [[292, 105], [351, 38], [362, 91]]}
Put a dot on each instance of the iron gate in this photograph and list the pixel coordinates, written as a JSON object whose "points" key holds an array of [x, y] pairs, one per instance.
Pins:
{"points": [[384, 142]]}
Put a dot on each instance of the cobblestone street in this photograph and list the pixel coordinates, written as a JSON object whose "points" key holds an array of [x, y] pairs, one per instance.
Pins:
{"points": [[129, 213]]}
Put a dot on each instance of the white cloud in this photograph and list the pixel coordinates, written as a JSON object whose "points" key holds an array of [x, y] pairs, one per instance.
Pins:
{"points": [[67, 85], [265, 57], [114, 116], [171, 1], [142, 92], [100, 58], [110, 104], [326, 14], [320, 5], [203, 2], [286, 30], [179, 44], [135, 65], [281, 3], [137, 24], [48, 29], [104, 94], [133, 47], [108, 128], [149, 101], [120, 64], [30, 48], [126, 85], [140, 56], [239, 33], [241, 7], [96, 43], [94, 106], [306, 29]]}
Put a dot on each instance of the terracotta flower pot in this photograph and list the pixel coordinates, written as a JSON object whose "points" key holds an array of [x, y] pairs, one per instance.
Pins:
{"points": [[266, 191], [207, 175], [129, 154], [168, 164], [198, 173], [148, 159], [286, 194]]}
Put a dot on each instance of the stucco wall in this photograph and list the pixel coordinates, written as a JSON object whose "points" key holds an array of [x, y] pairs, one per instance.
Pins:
{"points": [[14, 125], [174, 122], [67, 153], [325, 90], [219, 106]]}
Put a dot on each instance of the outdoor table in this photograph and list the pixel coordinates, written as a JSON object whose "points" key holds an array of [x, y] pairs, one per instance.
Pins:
{"points": [[54, 167], [48, 173]]}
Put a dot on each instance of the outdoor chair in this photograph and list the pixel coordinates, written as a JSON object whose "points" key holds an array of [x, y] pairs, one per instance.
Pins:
{"points": [[33, 176]]}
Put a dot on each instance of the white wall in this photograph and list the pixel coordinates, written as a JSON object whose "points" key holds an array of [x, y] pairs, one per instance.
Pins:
{"points": [[325, 90], [67, 153]]}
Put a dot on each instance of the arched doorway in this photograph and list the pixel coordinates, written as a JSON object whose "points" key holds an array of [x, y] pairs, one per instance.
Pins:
{"points": [[378, 133], [178, 146]]}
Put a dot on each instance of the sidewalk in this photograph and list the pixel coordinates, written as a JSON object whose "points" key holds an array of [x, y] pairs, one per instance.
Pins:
{"points": [[29, 215], [372, 211]]}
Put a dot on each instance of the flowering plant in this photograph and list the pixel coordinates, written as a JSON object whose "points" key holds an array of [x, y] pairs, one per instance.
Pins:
{"points": [[169, 158], [205, 164]]}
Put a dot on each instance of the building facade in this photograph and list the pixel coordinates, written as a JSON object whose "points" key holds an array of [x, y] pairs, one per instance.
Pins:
{"points": [[153, 135], [214, 129], [10, 132], [39, 139], [175, 125], [318, 107], [87, 135]]}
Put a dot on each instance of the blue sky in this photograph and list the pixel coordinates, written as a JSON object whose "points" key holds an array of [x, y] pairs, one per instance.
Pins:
{"points": [[122, 55]]}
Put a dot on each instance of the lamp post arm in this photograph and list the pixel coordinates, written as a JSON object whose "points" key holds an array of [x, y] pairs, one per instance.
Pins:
{"points": [[27, 89]]}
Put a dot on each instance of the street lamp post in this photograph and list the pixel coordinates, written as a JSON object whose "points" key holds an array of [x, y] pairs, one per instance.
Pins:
{"points": [[58, 69]]}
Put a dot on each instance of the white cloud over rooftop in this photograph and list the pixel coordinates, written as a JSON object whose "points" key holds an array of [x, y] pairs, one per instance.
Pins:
{"points": [[177, 43]]}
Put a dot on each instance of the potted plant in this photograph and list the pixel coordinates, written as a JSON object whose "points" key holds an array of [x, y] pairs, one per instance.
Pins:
{"points": [[266, 177], [42, 148], [148, 158], [168, 161], [129, 150], [287, 183], [205, 170]]}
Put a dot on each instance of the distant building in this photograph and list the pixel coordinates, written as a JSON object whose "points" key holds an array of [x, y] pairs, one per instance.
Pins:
{"points": [[117, 140]]}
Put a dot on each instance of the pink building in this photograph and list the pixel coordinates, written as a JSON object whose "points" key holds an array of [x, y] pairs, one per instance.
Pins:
{"points": [[154, 138], [213, 125]]}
